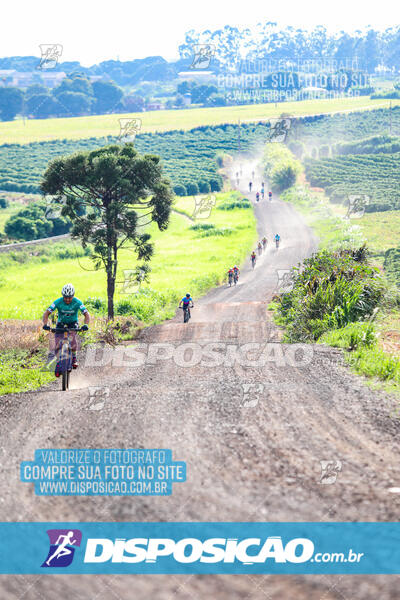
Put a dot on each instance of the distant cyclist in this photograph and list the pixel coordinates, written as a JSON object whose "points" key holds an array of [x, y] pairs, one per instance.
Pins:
{"points": [[186, 303], [253, 259], [259, 247], [270, 195], [264, 242], [250, 185], [230, 276], [258, 196], [67, 307], [236, 272], [262, 193], [277, 239], [262, 185]]}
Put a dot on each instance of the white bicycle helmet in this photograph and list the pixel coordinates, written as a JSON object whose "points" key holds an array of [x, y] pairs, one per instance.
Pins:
{"points": [[68, 290]]}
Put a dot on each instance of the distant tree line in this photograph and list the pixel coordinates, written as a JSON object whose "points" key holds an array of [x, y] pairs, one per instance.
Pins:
{"points": [[76, 95], [268, 41]]}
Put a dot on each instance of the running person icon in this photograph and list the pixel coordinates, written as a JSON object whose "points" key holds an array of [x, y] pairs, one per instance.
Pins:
{"points": [[62, 550]]}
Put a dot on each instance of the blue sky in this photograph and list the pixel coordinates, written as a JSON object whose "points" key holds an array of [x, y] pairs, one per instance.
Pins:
{"points": [[91, 31]]}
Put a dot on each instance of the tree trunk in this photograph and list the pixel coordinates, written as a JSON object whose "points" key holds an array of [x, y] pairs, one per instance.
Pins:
{"points": [[110, 292]]}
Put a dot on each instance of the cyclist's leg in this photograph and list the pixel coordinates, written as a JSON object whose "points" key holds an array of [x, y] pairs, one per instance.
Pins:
{"points": [[74, 345]]}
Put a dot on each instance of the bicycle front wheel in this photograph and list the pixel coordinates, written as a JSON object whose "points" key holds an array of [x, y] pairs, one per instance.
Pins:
{"points": [[65, 381]]}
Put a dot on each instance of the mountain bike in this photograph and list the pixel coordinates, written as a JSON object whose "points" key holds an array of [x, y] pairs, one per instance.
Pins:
{"points": [[64, 354], [277, 243], [186, 313], [235, 278], [253, 261]]}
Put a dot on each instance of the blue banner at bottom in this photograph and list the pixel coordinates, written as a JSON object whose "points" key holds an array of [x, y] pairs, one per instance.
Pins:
{"points": [[203, 548]]}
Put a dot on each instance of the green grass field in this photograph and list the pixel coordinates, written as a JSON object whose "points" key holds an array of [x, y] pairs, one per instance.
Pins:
{"points": [[184, 260], [164, 120]]}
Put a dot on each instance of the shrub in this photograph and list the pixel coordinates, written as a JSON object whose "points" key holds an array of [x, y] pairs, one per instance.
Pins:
{"points": [[216, 185], [4, 203], [96, 304], [234, 204], [332, 290], [204, 187], [192, 189], [202, 226], [124, 307], [180, 190], [297, 148], [283, 177]]}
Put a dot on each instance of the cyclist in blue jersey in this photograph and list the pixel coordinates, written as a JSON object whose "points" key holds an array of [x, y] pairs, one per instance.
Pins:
{"points": [[187, 302], [277, 239]]}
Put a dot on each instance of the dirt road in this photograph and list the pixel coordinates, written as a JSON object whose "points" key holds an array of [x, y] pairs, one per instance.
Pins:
{"points": [[252, 436]]}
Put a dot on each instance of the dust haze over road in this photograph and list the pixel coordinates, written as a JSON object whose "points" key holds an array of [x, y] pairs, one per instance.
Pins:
{"points": [[252, 437]]}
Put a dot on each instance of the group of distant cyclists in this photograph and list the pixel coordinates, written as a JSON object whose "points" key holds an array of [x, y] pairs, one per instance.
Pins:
{"points": [[233, 275], [261, 247], [261, 193]]}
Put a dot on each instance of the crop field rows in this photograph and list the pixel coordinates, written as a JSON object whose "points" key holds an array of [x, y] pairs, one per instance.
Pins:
{"points": [[377, 176], [327, 129], [188, 157]]}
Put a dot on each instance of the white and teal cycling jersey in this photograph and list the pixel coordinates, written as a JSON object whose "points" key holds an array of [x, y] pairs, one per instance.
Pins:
{"points": [[67, 313]]}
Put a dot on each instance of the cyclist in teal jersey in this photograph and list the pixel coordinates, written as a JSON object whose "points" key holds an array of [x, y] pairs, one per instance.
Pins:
{"points": [[67, 307]]}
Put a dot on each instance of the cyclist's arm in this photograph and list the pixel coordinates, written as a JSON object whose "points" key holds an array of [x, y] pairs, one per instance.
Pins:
{"points": [[86, 314], [46, 315]]}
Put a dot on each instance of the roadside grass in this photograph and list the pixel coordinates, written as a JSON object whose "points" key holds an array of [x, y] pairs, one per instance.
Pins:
{"points": [[378, 359], [22, 353], [33, 130], [184, 260], [24, 348], [365, 354]]}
